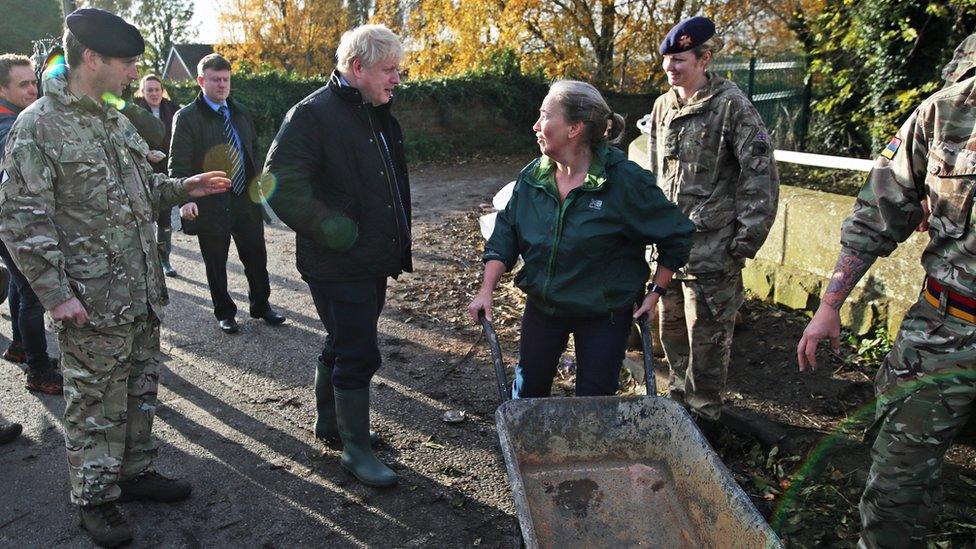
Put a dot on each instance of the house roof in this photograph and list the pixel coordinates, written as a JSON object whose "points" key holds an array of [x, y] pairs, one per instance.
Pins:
{"points": [[188, 55]]}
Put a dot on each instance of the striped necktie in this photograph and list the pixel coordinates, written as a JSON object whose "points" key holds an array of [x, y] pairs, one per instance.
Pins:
{"points": [[234, 153]]}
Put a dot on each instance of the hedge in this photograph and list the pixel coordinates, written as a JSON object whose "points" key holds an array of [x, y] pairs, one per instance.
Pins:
{"points": [[270, 95]]}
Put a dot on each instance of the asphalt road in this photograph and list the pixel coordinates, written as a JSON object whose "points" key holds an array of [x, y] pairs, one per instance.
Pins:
{"points": [[236, 415]]}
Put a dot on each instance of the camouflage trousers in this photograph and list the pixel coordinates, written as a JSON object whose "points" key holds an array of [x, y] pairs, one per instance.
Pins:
{"points": [[926, 388], [110, 381], [697, 321]]}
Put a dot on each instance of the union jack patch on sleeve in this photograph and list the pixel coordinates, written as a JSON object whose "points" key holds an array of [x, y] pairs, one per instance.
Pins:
{"points": [[891, 148]]}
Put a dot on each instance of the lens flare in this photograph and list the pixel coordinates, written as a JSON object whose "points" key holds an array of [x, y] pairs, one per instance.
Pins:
{"points": [[113, 100], [810, 469], [263, 188], [55, 67]]}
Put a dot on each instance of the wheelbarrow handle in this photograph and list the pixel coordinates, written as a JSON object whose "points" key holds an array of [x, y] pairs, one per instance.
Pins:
{"points": [[650, 380], [496, 357]]}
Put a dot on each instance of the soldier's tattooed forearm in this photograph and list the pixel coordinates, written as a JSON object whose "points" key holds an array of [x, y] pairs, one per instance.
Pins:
{"points": [[847, 273]]}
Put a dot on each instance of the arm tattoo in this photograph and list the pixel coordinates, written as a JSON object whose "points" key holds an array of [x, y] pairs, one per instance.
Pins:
{"points": [[847, 273]]}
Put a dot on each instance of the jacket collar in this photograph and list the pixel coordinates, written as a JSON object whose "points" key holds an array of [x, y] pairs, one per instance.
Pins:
{"points": [[57, 89], [596, 176], [716, 84], [9, 109], [208, 110], [351, 94]]}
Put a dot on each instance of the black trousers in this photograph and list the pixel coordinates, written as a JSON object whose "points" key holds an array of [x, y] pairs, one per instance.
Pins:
{"points": [[248, 234], [349, 312], [601, 343]]}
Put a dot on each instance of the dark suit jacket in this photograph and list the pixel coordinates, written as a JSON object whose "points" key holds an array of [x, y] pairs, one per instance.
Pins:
{"points": [[199, 145]]}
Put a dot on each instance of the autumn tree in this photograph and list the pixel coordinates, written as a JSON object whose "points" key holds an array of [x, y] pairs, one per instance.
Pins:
{"points": [[613, 43], [163, 23], [297, 36]]}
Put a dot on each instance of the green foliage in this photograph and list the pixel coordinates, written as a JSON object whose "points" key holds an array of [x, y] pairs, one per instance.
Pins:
{"points": [[868, 351], [873, 61], [163, 23], [25, 20], [269, 96]]}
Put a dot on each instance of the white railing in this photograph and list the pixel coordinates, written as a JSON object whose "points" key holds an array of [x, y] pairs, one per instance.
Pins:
{"points": [[824, 161]]}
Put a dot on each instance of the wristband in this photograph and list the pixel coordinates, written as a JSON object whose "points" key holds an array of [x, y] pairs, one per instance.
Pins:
{"points": [[657, 289]]}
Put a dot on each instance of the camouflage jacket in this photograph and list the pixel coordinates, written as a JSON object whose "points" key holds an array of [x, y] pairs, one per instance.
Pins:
{"points": [[77, 204], [713, 158], [962, 63], [932, 155]]}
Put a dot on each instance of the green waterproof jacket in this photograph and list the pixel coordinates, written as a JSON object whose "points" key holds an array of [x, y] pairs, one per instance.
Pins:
{"points": [[585, 257]]}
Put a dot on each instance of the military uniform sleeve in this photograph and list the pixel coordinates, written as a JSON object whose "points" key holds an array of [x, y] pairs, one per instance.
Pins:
{"points": [[653, 219], [757, 191], [291, 166], [149, 127], [168, 191], [888, 207], [27, 227], [503, 244]]}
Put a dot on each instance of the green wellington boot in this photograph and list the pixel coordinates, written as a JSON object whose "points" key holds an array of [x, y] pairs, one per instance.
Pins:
{"points": [[165, 238], [325, 418], [352, 415]]}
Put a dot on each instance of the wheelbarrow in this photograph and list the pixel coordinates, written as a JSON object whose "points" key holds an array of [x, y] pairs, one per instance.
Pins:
{"points": [[618, 471]]}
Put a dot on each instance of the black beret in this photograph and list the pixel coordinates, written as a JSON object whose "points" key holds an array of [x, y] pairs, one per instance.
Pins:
{"points": [[105, 33], [687, 34]]}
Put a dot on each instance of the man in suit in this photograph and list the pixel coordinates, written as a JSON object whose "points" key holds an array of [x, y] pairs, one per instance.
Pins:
{"points": [[215, 130]]}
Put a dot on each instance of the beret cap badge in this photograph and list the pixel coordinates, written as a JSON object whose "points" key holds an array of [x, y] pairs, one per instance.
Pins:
{"points": [[687, 34]]}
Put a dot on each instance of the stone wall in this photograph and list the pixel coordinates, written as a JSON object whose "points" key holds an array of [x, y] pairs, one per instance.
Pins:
{"points": [[794, 264]]}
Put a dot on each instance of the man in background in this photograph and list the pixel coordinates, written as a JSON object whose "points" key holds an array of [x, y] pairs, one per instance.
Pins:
{"points": [[18, 89], [215, 132]]}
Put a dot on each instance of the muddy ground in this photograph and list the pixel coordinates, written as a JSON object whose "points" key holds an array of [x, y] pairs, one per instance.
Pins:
{"points": [[236, 414]]}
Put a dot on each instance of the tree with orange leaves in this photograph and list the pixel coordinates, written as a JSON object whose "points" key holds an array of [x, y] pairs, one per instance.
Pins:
{"points": [[298, 36]]}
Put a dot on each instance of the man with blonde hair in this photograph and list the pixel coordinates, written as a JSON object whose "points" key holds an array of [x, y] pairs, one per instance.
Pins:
{"points": [[339, 178]]}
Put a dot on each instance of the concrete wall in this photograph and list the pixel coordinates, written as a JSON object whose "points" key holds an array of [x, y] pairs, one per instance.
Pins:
{"points": [[794, 264]]}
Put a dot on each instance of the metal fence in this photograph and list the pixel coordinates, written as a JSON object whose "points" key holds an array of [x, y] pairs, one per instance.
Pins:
{"points": [[779, 90]]}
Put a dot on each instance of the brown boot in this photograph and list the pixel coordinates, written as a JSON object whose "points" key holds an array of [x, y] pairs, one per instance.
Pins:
{"points": [[153, 486], [45, 380], [106, 524]]}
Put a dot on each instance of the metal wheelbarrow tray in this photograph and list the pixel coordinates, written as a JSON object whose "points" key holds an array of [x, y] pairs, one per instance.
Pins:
{"points": [[619, 472]]}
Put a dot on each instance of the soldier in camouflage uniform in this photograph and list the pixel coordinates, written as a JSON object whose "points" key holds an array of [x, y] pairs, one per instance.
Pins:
{"points": [[77, 204], [712, 157], [927, 383]]}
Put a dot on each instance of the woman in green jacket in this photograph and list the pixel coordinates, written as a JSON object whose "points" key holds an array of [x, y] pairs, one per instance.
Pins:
{"points": [[581, 217]]}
